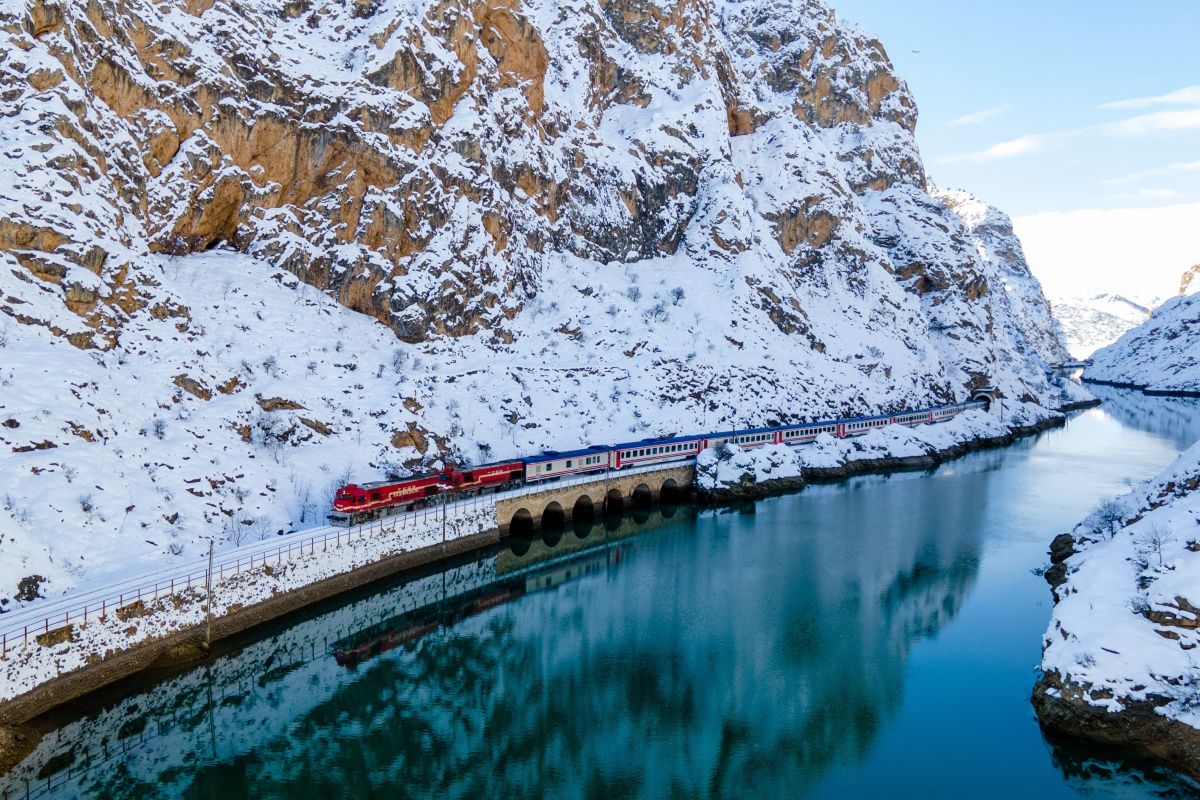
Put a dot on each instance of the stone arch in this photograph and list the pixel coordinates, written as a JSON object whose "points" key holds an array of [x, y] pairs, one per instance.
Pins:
{"points": [[584, 509], [553, 517], [521, 524], [614, 503], [670, 493], [642, 497]]}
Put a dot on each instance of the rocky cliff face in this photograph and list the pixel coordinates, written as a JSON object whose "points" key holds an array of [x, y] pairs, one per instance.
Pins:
{"points": [[1190, 281], [542, 223], [1000, 251]]}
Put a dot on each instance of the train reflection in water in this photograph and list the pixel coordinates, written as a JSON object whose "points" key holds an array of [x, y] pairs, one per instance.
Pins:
{"points": [[396, 631]]}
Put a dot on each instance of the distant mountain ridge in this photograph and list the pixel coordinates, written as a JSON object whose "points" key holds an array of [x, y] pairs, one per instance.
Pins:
{"points": [[1087, 324], [1162, 354]]}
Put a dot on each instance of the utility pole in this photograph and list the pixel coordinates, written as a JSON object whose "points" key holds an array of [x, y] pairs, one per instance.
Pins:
{"points": [[208, 606]]}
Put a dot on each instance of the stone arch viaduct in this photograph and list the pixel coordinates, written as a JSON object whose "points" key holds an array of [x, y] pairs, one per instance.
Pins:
{"points": [[555, 504]]}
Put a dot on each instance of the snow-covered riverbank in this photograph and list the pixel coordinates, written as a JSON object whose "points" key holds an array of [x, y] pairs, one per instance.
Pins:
{"points": [[1120, 656], [735, 472]]}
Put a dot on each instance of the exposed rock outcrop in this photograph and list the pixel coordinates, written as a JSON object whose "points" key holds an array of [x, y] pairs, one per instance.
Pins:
{"points": [[1189, 282]]}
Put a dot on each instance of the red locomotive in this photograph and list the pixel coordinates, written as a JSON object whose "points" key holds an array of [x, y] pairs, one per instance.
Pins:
{"points": [[354, 504], [500, 475]]}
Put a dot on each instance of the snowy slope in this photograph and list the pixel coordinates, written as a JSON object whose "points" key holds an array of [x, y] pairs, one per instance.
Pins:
{"points": [[253, 250], [1088, 324], [1162, 354], [1124, 627]]}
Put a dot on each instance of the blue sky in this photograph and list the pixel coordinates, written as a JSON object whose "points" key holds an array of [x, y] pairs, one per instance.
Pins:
{"points": [[1018, 100], [1052, 107]]}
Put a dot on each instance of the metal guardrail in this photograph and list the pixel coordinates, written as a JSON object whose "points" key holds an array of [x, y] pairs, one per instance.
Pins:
{"points": [[41, 619]]}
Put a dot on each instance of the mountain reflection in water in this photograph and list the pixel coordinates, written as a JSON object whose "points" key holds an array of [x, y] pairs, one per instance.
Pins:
{"points": [[1177, 418], [725, 654]]}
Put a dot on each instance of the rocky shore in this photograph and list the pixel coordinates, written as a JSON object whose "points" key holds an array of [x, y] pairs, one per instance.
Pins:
{"points": [[1064, 707], [1119, 661]]}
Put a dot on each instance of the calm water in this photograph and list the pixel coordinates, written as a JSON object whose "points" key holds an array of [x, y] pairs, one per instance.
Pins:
{"points": [[873, 639]]}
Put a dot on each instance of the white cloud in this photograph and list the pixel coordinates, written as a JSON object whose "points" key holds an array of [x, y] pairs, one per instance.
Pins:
{"points": [[1141, 125], [1188, 96], [1136, 251], [980, 116], [1153, 194], [1172, 169], [1026, 145], [1154, 123]]}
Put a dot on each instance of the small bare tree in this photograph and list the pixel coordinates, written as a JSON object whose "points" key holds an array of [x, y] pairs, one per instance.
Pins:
{"points": [[261, 526], [1109, 516], [303, 492], [1154, 540]]}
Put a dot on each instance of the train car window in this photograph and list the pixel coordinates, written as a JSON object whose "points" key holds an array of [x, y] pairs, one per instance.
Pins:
{"points": [[568, 462]]}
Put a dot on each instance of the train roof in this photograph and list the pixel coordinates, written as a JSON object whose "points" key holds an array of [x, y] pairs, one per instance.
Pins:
{"points": [[470, 467], [377, 484], [555, 455]]}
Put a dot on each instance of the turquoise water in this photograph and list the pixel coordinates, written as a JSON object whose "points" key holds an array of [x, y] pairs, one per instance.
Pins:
{"points": [[872, 639]]}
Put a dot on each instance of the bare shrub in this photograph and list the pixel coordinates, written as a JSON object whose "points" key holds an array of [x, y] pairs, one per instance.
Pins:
{"points": [[399, 359], [1154, 540], [1108, 517], [86, 504], [302, 490]]}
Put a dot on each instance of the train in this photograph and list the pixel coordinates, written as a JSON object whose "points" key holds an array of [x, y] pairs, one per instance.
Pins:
{"points": [[355, 504]]}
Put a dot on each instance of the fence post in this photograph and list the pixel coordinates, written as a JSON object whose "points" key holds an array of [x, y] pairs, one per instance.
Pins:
{"points": [[208, 609]]}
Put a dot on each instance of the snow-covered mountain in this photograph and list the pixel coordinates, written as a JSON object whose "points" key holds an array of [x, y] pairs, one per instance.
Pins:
{"points": [[1087, 324], [1162, 354], [251, 249]]}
